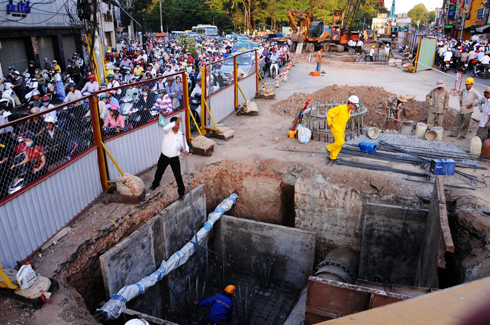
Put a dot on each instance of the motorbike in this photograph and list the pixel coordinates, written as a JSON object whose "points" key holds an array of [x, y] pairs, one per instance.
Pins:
{"points": [[462, 67], [195, 106], [10, 97], [21, 178], [131, 114], [446, 66], [274, 69], [481, 70]]}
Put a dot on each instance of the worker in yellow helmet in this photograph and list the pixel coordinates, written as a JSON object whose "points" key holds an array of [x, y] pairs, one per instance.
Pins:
{"points": [[337, 118], [221, 306], [468, 100]]}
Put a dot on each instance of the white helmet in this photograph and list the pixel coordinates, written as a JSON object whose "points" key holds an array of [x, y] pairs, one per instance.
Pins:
{"points": [[353, 99], [49, 119]]}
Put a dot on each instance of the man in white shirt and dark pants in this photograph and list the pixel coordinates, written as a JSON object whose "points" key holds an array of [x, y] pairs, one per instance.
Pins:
{"points": [[173, 144], [484, 106]]}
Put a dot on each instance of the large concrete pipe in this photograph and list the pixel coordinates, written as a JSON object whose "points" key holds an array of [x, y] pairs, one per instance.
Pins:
{"points": [[340, 265]]}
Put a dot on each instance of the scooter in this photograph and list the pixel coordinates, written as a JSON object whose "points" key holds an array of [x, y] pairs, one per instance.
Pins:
{"points": [[10, 97], [21, 178], [480, 70], [195, 106], [446, 66], [131, 115], [274, 69], [462, 67]]}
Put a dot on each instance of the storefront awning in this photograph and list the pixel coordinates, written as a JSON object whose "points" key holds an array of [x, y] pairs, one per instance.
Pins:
{"points": [[481, 29]]}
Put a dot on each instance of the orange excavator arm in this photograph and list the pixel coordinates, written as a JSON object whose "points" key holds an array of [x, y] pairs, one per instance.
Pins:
{"points": [[304, 22]]}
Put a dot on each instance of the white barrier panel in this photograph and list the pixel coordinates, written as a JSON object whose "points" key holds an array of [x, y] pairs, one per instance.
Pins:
{"points": [[248, 86], [135, 151], [30, 219], [221, 104]]}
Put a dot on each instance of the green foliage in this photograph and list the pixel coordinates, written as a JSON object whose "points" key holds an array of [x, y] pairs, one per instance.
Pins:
{"points": [[419, 11], [187, 42], [242, 15]]}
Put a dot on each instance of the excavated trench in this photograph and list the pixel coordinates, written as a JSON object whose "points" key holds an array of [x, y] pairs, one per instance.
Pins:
{"points": [[326, 213]]}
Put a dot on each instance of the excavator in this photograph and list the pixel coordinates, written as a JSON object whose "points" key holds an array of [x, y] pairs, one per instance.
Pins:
{"points": [[317, 34]]}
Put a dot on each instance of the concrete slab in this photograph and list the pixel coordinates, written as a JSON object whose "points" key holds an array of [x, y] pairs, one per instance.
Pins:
{"points": [[244, 239]]}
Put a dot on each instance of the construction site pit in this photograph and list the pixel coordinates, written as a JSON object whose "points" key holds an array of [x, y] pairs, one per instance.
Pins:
{"points": [[297, 226]]}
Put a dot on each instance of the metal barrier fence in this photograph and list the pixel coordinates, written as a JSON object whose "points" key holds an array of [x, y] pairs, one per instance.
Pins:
{"points": [[46, 156], [221, 80], [132, 134], [53, 163]]}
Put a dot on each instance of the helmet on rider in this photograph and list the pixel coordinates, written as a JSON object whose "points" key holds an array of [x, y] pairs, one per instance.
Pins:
{"points": [[72, 84], [49, 119], [114, 107], [36, 93]]}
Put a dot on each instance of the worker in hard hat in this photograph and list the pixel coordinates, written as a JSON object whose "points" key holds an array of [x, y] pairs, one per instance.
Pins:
{"points": [[468, 100], [392, 108], [221, 307], [337, 118], [371, 53]]}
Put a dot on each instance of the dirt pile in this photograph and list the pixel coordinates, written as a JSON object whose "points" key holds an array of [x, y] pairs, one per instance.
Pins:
{"points": [[372, 97]]}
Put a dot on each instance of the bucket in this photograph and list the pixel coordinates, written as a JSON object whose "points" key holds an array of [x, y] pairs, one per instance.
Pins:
{"points": [[475, 147], [439, 130], [431, 135], [407, 127], [26, 276], [373, 133], [420, 130]]}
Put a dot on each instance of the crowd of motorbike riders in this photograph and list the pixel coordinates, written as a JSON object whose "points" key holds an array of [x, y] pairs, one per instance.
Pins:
{"points": [[462, 56], [29, 150]]}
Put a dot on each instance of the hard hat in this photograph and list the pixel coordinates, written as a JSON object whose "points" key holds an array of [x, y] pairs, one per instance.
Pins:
{"points": [[49, 119], [353, 99], [230, 289], [373, 46], [469, 81]]}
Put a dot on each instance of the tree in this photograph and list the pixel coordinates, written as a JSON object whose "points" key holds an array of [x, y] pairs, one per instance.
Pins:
{"points": [[418, 12]]}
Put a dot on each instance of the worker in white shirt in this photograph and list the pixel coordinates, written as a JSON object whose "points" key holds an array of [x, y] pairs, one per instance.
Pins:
{"points": [[371, 54], [484, 125], [173, 144]]}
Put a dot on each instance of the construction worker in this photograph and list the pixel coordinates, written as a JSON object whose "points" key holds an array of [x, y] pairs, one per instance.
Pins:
{"points": [[468, 99], [337, 118], [221, 307], [484, 125], [319, 59], [392, 108], [371, 53], [438, 98]]}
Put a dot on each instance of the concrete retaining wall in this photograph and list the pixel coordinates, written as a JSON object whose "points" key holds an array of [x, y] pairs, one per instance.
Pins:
{"points": [[144, 250], [243, 240], [333, 212]]}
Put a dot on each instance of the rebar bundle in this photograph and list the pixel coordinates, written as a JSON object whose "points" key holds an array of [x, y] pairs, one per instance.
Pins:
{"points": [[263, 267]]}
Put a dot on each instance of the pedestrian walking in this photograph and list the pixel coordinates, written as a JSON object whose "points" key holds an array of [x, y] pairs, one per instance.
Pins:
{"points": [[468, 99], [172, 146], [337, 118], [438, 98]]}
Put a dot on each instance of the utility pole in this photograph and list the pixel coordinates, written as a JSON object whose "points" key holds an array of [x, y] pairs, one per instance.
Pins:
{"points": [[462, 23], [161, 20]]}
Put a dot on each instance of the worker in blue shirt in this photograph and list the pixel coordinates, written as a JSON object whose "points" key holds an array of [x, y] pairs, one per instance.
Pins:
{"points": [[221, 307]]}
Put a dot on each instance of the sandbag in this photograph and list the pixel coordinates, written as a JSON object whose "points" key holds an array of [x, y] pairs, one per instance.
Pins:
{"points": [[304, 134], [130, 185]]}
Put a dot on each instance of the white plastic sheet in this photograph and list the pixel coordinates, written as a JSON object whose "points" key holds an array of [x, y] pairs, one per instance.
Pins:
{"points": [[115, 306]]}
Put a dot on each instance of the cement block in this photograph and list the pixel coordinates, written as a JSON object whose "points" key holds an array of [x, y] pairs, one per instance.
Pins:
{"points": [[243, 240]]}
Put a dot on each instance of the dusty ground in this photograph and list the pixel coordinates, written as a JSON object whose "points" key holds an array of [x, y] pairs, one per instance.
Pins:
{"points": [[242, 164]]}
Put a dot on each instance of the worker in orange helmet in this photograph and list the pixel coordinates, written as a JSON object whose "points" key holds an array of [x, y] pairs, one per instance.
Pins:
{"points": [[221, 307], [337, 118]]}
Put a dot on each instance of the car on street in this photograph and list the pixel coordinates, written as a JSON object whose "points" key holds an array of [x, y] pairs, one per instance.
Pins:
{"points": [[246, 62], [244, 46]]}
